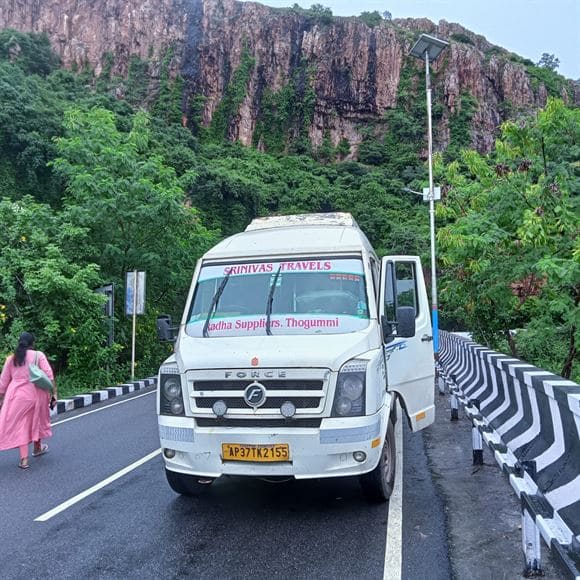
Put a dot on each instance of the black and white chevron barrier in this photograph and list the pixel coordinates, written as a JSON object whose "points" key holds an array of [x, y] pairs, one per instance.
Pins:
{"points": [[80, 401], [530, 419]]}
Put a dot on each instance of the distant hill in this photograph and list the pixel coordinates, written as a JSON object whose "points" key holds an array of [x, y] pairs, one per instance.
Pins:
{"points": [[276, 78]]}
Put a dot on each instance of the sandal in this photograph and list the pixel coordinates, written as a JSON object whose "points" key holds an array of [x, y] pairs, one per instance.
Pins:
{"points": [[23, 464], [41, 451]]}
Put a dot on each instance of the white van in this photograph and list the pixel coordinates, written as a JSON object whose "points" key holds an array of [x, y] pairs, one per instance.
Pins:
{"points": [[295, 343]]}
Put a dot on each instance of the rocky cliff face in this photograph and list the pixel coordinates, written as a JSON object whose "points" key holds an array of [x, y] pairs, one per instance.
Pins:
{"points": [[350, 71]]}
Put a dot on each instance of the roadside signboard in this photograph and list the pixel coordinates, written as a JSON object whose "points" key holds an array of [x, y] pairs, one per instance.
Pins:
{"points": [[109, 309], [109, 306], [134, 287], [134, 304]]}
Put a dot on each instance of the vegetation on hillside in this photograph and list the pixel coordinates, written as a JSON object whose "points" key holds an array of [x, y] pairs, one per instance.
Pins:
{"points": [[511, 246], [91, 187]]}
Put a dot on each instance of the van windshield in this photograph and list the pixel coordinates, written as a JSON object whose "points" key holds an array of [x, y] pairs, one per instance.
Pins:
{"points": [[291, 296]]}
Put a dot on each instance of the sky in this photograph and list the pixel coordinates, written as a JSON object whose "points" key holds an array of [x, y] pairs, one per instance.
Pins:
{"points": [[526, 27]]}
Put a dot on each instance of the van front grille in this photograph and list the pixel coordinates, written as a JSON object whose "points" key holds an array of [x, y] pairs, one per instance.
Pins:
{"points": [[306, 395], [271, 402], [251, 422], [276, 385]]}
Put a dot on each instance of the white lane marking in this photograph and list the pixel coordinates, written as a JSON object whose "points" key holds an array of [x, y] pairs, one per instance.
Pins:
{"points": [[394, 547], [101, 408], [73, 500]]}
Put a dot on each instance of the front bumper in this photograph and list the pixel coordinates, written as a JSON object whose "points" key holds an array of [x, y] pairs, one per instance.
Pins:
{"points": [[314, 453]]}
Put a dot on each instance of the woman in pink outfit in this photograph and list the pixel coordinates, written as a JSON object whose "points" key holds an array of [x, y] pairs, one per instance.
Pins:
{"points": [[24, 414]]}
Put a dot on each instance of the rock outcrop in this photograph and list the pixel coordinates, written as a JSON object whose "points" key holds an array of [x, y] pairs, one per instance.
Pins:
{"points": [[351, 69]]}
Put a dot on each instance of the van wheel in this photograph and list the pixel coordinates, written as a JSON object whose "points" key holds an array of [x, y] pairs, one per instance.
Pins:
{"points": [[377, 485], [186, 484]]}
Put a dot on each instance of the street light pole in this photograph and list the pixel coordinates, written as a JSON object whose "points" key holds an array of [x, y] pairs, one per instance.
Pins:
{"points": [[429, 48], [434, 305]]}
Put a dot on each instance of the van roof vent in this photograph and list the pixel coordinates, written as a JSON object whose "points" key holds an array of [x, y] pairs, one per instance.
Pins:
{"points": [[305, 219]]}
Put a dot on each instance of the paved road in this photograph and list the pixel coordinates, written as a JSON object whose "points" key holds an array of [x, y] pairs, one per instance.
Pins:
{"points": [[135, 526]]}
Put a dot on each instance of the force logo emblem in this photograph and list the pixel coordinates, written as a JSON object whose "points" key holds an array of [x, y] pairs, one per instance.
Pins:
{"points": [[255, 394]]}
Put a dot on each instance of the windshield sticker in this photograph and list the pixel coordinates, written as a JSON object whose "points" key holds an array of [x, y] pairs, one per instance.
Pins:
{"points": [[282, 324], [340, 269]]}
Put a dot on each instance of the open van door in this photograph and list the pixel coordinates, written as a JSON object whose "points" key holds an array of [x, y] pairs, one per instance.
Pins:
{"points": [[408, 337]]}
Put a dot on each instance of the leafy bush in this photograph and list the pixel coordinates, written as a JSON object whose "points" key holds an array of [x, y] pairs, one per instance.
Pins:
{"points": [[316, 14], [461, 37], [30, 51], [371, 19], [553, 82]]}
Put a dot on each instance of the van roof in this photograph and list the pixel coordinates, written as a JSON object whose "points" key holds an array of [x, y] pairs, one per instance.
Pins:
{"points": [[285, 240], [301, 220]]}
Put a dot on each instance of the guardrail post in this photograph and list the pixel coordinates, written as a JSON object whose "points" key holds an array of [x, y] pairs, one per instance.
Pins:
{"points": [[440, 381], [531, 545], [454, 406], [476, 440]]}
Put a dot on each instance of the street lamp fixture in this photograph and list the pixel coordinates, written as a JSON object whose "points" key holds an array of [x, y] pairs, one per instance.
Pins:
{"points": [[434, 46], [429, 48]]}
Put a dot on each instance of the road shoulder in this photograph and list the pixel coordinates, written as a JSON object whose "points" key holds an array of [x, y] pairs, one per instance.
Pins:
{"points": [[482, 511]]}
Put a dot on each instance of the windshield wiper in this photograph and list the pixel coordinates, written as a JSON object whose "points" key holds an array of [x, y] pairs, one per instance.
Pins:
{"points": [[271, 301], [214, 302]]}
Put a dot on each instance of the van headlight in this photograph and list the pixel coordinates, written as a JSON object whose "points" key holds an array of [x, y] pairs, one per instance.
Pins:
{"points": [[171, 399], [349, 398]]}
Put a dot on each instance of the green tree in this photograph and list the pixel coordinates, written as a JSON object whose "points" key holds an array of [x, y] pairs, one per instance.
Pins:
{"points": [[371, 19], [128, 208], [549, 61], [43, 291], [510, 249], [29, 51]]}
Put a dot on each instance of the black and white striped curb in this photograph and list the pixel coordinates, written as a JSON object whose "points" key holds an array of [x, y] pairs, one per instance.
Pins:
{"points": [[80, 401], [530, 419]]}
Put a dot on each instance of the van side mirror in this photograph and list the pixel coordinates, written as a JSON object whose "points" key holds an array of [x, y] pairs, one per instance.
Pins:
{"points": [[405, 321], [165, 331], [403, 327]]}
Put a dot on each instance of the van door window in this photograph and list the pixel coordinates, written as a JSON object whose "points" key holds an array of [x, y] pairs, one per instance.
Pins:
{"points": [[407, 285]]}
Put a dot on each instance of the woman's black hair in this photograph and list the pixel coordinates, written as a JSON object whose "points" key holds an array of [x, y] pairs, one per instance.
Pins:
{"points": [[25, 342]]}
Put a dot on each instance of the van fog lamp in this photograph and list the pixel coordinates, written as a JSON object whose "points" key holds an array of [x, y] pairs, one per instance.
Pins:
{"points": [[176, 407], [288, 409], [219, 408], [169, 453], [359, 456]]}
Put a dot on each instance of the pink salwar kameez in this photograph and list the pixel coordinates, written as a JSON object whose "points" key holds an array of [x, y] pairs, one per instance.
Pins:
{"points": [[25, 415]]}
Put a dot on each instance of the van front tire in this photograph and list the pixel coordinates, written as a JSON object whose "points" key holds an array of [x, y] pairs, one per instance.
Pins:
{"points": [[378, 484], [185, 484]]}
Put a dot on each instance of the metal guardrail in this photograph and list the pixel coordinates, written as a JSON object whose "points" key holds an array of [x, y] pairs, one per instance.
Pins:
{"points": [[530, 420]]}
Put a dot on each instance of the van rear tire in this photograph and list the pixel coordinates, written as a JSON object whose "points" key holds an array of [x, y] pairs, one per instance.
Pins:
{"points": [[185, 484], [378, 484]]}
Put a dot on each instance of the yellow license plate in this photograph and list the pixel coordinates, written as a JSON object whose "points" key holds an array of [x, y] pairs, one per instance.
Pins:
{"points": [[256, 453]]}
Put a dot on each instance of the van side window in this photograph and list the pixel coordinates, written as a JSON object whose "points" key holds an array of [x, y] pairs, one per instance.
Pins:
{"points": [[407, 285]]}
